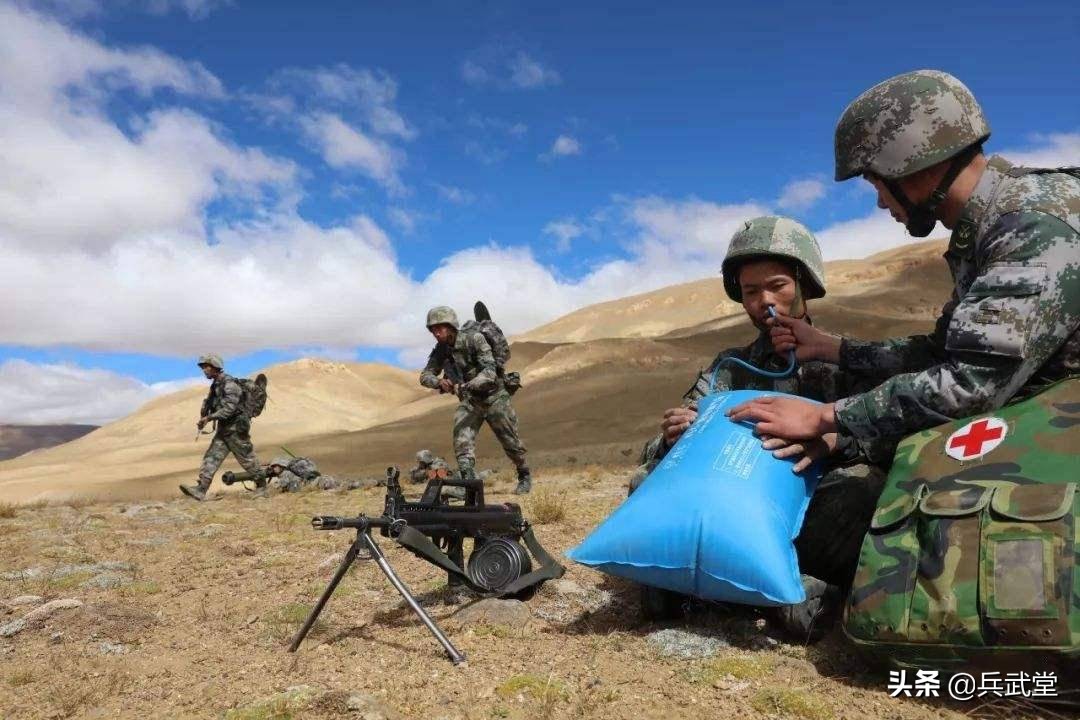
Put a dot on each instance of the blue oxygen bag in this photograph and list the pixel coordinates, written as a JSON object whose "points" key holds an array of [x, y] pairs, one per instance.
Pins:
{"points": [[716, 519]]}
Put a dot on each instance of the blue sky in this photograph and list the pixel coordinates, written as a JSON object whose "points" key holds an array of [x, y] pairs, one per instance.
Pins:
{"points": [[277, 179]]}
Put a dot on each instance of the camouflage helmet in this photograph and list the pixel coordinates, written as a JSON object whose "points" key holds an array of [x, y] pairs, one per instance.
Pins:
{"points": [[906, 124], [442, 315], [211, 360], [281, 460], [775, 237], [425, 457]]}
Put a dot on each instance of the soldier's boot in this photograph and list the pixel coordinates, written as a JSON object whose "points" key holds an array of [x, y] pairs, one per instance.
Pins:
{"points": [[809, 621], [524, 481], [195, 492]]}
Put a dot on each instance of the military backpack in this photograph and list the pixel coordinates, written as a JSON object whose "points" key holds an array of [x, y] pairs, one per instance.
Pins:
{"points": [[972, 558], [500, 347], [254, 397]]}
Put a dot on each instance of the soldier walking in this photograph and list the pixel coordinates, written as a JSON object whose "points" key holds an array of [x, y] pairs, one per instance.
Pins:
{"points": [[224, 407], [463, 358]]}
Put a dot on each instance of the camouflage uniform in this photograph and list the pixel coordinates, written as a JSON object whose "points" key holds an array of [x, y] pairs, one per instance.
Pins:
{"points": [[222, 406], [840, 510], [427, 464], [296, 473], [471, 366], [1011, 325]]}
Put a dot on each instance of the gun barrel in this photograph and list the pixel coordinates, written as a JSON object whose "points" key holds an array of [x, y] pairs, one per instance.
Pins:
{"points": [[360, 522]]}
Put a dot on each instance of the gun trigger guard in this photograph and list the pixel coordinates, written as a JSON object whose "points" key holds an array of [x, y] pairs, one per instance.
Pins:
{"points": [[396, 527]]}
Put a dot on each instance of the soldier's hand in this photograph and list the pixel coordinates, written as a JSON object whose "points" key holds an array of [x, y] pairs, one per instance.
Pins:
{"points": [[807, 341], [202, 422], [446, 386], [675, 423], [806, 452], [786, 417]]}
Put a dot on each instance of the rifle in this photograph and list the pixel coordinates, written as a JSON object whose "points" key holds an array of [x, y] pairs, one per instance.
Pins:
{"points": [[434, 531]]}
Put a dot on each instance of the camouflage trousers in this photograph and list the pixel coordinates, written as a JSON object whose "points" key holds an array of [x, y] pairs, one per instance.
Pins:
{"points": [[836, 522], [234, 438], [499, 414]]}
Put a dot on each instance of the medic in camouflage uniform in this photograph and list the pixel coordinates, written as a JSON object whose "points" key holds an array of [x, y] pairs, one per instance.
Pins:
{"points": [[1010, 327], [223, 407], [468, 369], [775, 261]]}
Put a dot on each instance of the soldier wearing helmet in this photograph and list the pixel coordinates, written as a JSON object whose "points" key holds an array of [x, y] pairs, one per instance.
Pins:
{"points": [[427, 465], [463, 358], [232, 434], [776, 262], [1011, 325]]}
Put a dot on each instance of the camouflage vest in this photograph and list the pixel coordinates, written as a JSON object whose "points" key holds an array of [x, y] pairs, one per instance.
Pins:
{"points": [[972, 557]]}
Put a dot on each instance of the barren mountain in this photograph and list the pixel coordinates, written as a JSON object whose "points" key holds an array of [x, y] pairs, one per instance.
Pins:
{"points": [[596, 382]]}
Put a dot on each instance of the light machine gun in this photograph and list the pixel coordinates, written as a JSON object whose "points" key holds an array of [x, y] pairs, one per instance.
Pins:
{"points": [[434, 530]]}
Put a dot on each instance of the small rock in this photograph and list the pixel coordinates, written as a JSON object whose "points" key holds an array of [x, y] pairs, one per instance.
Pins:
{"points": [[494, 611], [13, 628], [686, 644], [331, 561], [212, 530], [566, 588], [26, 600], [56, 638], [108, 648], [28, 574], [369, 707], [51, 608]]}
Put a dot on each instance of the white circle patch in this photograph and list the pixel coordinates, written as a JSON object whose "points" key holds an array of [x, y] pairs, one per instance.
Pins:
{"points": [[976, 438]]}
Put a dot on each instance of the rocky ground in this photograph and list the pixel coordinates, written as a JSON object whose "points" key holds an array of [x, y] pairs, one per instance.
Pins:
{"points": [[183, 610]]}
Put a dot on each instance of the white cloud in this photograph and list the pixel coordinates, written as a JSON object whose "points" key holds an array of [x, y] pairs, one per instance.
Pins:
{"points": [[405, 220], [370, 94], [505, 68], [564, 231], [1049, 150], [195, 9], [456, 195], [58, 393], [863, 237], [525, 72], [73, 177], [801, 194], [344, 146], [564, 146]]}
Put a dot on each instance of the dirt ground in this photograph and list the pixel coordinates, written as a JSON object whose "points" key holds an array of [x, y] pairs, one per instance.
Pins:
{"points": [[186, 610]]}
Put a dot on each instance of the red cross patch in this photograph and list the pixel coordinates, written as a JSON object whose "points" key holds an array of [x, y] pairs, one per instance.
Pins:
{"points": [[976, 438]]}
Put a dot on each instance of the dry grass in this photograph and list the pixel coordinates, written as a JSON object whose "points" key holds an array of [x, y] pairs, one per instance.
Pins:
{"points": [[20, 678], [791, 702], [547, 506], [8, 510]]}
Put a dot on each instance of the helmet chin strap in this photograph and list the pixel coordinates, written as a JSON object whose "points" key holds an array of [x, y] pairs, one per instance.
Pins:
{"points": [[922, 217]]}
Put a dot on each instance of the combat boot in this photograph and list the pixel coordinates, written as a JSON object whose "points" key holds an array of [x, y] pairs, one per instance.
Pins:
{"points": [[809, 621], [524, 481], [195, 492]]}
